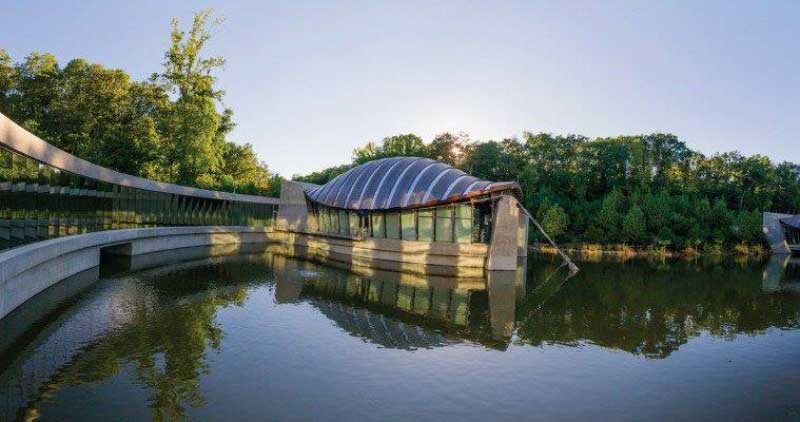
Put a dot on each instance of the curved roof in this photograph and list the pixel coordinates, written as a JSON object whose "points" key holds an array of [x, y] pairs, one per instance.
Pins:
{"points": [[793, 221], [401, 182]]}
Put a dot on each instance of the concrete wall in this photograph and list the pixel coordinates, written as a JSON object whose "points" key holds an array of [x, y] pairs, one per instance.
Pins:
{"points": [[430, 258], [29, 270], [774, 232]]}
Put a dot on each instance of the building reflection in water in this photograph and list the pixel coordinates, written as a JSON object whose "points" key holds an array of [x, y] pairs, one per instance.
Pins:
{"points": [[782, 273], [406, 311]]}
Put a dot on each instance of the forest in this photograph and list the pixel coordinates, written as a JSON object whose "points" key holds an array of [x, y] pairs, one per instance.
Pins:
{"points": [[172, 127], [648, 191]]}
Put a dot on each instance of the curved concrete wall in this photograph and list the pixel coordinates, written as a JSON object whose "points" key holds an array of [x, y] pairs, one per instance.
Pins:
{"points": [[28, 270], [17, 139]]}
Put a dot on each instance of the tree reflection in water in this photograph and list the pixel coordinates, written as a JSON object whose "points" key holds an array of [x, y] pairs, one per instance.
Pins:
{"points": [[168, 330], [652, 308], [165, 322]]}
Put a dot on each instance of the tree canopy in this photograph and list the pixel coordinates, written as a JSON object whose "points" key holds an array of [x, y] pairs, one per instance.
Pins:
{"points": [[172, 127]]}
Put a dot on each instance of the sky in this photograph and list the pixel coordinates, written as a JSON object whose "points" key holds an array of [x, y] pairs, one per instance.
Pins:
{"points": [[310, 81]]}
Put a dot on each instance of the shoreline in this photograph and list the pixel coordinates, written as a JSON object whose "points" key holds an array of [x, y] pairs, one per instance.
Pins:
{"points": [[626, 252]]}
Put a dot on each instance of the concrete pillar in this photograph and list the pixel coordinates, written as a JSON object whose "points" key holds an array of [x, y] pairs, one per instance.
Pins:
{"points": [[293, 210], [523, 234], [288, 287], [773, 272], [503, 250], [501, 286], [774, 232]]}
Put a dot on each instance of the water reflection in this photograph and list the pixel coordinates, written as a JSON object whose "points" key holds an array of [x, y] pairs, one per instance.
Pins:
{"points": [[159, 325], [782, 273], [653, 308], [406, 311]]}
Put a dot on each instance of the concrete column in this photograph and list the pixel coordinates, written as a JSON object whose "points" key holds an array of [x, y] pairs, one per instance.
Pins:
{"points": [[773, 272], [523, 234], [502, 302], [293, 210], [287, 287], [503, 250], [774, 232]]}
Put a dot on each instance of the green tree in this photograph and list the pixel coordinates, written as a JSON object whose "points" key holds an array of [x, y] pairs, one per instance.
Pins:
{"points": [[555, 221], [634, 227], [609, 219], [658, 212], [748, 227], [167, 128], [195, 129], [407, 145], [448, 148]]}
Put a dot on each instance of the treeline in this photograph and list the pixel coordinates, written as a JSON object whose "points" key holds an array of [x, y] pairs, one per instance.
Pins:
{"points": [[648, 190], [172, 127]]}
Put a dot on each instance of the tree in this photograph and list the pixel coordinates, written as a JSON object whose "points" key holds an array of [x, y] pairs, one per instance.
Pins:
{"points": [[634, 226], [657, 211], [748, 227], [787, 188], [7, 80], [407, 145], [323, 176], [194, 142], [448, 148], [609, 219], [555, 221], [240, 163], [166, 128]]}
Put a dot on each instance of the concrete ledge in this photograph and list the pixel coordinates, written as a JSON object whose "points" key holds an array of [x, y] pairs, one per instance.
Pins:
{"points": [[28, 270]]}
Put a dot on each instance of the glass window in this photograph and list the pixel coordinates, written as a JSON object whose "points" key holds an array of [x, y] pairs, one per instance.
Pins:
{"points": [[463, 223], [38, 202], [378, 226], [482, 223], [393, 225], [425, 225], [344, 224], [322, 218], [333, 218], [405, 297], [422, 301], [444, 224], [409, 225], [354, 223]]}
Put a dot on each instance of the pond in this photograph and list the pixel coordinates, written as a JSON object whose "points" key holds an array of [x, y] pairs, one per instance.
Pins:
{"points": [[260, 336]]}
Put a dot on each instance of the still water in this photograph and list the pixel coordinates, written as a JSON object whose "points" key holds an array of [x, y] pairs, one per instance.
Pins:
{"points": [[265, 337]]}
